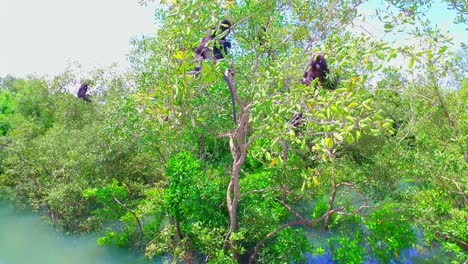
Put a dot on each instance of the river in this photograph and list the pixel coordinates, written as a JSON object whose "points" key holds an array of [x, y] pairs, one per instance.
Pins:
{"points": [[25, 239]]}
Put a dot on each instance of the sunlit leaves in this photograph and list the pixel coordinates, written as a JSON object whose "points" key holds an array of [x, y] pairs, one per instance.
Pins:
{"points": [[328, 142], [388, 27]]}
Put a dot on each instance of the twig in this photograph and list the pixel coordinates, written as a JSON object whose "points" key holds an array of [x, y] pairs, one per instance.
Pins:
{"points": [[460, 191], [131, 212], [290, 209], [330, 205]]}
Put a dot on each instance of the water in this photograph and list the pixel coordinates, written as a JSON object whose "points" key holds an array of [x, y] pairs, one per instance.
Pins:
{"points": [[407, 256], [25, 239]]}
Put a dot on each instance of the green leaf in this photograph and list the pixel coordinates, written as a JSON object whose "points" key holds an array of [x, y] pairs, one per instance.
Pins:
{"points": [[328, 143], [388, 27], [411, 62], [352, 105]]}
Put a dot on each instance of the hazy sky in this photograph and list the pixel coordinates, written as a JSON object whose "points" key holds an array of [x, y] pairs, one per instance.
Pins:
{"points": [[439, 15], [41, 36]]}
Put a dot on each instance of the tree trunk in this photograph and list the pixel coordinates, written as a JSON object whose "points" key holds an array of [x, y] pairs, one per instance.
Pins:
{"points": [[238, 146]]}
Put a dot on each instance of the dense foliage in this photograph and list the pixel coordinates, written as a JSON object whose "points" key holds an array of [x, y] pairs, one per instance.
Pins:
{"points": [[156, 163]]}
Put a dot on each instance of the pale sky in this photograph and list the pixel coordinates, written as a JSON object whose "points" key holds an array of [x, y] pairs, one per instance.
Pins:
{"points": [[42, 36], [439, 15]]}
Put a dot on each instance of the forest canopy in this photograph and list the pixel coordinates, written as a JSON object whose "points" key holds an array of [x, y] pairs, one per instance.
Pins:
{"points": [[157, 163]]}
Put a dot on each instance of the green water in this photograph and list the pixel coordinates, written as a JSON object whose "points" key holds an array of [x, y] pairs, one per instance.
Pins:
{"points": [[25, 239]]}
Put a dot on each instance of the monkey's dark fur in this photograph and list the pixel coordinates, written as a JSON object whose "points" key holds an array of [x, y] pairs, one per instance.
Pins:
{"points": [[220, 44], [317, 68], [82, 92]]}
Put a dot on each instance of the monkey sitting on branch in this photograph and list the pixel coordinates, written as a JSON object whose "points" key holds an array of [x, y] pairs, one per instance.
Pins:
{"points": [[317, 68], [217, 37], [82, 92]]}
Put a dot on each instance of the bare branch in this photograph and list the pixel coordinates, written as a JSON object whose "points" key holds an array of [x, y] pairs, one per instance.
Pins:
{"points": [[140, 229], [291, 210]]}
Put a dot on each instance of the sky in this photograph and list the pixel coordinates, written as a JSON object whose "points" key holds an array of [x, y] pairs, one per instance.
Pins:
{"points": [[438, 14], [43, 36]]}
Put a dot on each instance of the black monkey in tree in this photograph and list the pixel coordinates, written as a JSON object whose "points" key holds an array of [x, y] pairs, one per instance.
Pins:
{"points": [[317, 68], [263, 43], [221, 45], [82, 92], [220, 49]]}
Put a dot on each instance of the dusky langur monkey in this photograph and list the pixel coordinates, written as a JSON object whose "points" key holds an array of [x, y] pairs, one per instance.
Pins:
{"points": [[82, 92], [217, 37]]}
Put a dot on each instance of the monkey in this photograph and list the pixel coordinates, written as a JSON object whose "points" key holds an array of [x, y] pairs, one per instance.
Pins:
{"points": [[261, 41], [202, 52], [82, 92], [220, 49], [221, 44], [318, 68]]}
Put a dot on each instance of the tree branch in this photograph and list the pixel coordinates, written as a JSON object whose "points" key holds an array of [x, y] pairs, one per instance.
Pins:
{"points": [[140, 229], [291, 210]]}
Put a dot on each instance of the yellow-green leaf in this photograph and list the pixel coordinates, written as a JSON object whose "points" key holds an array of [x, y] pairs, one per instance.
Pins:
{"points": [[353, 105], [273, 162], [315, 181], [316, 147], [411, 63], [329, 143]]}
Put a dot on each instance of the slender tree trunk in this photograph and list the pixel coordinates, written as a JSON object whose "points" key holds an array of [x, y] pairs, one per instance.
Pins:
{"points": [[180, 236], [239, 152], [331, 201], [238, 146]]}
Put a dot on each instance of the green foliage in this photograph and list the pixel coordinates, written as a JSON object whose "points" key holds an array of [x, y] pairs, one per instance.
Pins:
{"points": [[383, 153], [388, 233], [381, 236], [182, 172], [288, 247], [7, 109], [349, 250]]}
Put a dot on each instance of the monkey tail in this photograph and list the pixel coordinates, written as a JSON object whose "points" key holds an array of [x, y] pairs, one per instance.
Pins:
{"points": [[231, 90]]}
